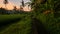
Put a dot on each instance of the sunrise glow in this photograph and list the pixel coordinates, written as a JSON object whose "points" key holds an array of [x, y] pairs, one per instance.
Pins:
{"points": [[11, 5]]}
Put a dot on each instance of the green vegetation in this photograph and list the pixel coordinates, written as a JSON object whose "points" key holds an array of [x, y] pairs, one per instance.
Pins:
{"points": [[45, 11], [22, 26], [48, 13]]}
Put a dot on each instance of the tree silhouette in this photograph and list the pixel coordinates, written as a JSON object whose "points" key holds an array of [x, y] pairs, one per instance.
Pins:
{"points": [[5, 2], [21, 8], [22, 3], [15, 8]]}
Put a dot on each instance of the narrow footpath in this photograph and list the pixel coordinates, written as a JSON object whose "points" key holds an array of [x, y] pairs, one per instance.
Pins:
{"points": [[38, 27]]}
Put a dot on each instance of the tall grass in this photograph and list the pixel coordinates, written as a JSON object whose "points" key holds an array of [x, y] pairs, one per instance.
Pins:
{"points": [[23, 26]]}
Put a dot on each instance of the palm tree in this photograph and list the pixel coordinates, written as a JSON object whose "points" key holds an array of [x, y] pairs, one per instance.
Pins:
{"points": [[5, 2]]}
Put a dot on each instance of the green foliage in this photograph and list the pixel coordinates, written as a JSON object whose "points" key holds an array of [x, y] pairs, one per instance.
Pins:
{"points": [[23, 26], [57, 8], [50, 22]]}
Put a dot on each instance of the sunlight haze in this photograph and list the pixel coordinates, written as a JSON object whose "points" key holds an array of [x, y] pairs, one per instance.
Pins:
{"points": [[12, 3]]}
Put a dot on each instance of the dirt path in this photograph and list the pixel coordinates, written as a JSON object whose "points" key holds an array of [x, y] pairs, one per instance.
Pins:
{"points": [[38, 27]]}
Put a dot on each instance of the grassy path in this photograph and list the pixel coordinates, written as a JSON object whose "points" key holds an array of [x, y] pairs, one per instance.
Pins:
{"points": [[38, 27], [15, 25]]}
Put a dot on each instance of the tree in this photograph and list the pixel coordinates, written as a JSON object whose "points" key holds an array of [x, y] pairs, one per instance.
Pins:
{"points": [[15, 8], [28, 3], [48, 19], [40, 6], [5, 2], [22, 3], [21, 8], [57, 8]]}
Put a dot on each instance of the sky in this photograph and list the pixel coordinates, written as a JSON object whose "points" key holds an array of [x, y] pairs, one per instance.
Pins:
{"points": [[12, 3]]}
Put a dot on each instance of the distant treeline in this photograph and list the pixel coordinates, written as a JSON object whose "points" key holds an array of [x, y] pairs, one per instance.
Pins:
{"points": [[4, 11]]}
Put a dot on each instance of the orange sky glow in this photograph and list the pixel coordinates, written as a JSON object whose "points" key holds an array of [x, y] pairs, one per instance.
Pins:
{"points": [[11, 5]]}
